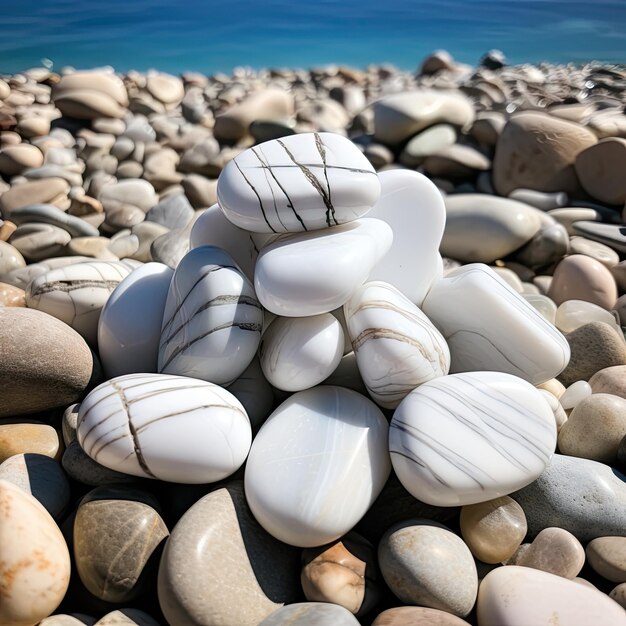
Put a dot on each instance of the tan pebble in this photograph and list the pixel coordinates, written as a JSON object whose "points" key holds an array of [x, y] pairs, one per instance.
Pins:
{"points": [[15, 159], [7, 228], [68, 620], [607, 556], [414, 615], [600, 170], [44, 191], [556, 551], [24, 438], [619, 595], [11, 295], [127, 617], [556, 388], [610, 380], [493, 530]]}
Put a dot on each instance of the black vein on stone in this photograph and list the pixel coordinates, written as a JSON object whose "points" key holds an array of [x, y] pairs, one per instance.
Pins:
{"points": [[256, 193], [71, 285], [320, 148], [267, 169]]}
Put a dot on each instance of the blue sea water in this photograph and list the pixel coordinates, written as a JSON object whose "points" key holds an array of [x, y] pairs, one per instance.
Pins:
{"points": [[210, 36]]}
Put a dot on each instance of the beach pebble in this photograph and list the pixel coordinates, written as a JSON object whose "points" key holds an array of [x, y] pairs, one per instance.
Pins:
{"points": [[492, 327], [585, 497], [540, 199], [37, 242], [35, 566], [426, 564], [165, 87], [172, 212], [310, 614], [619, 595], [61, 619], [520, 596], [598, 168], [542, 303], [126, 617], [10, 258], [610, 380], [456, 162], [609, 235], [594, 249], [548, 246], [573, 314], [607, 556], [567, 217], [46, 191], [85, 470], [211, 428], [397, 347], [15, 159], [220, 567], [426, 143], [50, 214], [341, 434], [493, 530], [134, 192], [24, 438], [34, 379], [575, 394], [409, 615], [12, 296]]}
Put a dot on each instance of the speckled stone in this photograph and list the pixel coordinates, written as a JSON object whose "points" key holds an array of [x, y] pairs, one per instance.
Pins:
{"points": [[342, 573], [127, 617], [23, 438], [41, 477], [62, 619], [593, 346], [595, 428], [585, 497], [220, 568], [610, 380], [424, 563], [311, 614], [414, 615], [619, 595], [493, 530], [607, 556], [11, 295]]}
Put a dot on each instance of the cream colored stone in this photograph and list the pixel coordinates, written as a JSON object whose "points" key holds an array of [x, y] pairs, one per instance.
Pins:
{"points": [[607, 556], [23, 438], [610, 380]]}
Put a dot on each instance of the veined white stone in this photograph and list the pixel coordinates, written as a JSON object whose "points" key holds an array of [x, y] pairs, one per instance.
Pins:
{"points": [[212, 320], [397, 347], [297, 183], [312, 273], [171, 428], [130, 322], [413, 207], [469, 438], [489, 326], [213, 229], [300, 352], [75, 294], [317, 465]]}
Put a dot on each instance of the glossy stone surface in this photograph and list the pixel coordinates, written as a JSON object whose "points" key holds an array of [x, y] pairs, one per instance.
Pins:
{"points": [[554, 550], [128, 424], [21, 438], [410, 615], [468, 438], [310, 614], [317, 465]]}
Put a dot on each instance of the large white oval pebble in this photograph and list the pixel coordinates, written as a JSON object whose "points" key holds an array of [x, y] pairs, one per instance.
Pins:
{"points": [[171, 428], [317, 465], [130, 322], [397, 347], [212, 321], [298, 183], [469, 438], [312, 273], [300, 352], [413, 207], [489, 326]]}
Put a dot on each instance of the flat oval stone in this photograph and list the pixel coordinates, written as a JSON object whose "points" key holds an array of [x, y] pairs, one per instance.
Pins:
{"points": [[427, 142], [573, 314], [519, 596], [594, 249], [575, 394], [75, 294], [568, 216], [424, 563], [491, 327], [607, 556], [35, 566], [493, 530], [129, 422], [287, 277], [133, 192], [599, 170], [397, 347], [220, 567], [50, 214], [212, 320], [11, 295], [47, 191], [610, 380], [554, 550], [413, 207], [410, 615], [341, 434], [61, 619], [310, 614], [10, 258], [298, 183], [130, 322], [611, 235], [297, 353], [468, 438], [23, 438]]}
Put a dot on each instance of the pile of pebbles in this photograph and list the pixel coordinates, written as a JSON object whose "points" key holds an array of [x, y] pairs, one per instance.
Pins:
{"points": [[326, 347]]}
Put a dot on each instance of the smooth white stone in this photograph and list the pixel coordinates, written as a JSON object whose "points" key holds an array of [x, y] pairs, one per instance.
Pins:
{"points": [[469, 438], [572, 314], [75, 294], [575, 394], [397, 347], [317, 465], [213, 229], [413, 207], [489, 326], [301, 182], [297, 353], [312, 273], [130, 322], [560, 417], [212, 320], [546, 306], [171, 428]]}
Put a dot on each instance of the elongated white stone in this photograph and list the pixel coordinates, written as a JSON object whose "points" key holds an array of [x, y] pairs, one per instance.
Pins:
{"points": [[489, 326], [297, 183], [166, 427], [469, 438], [75, 294], [312, 273], [414, 208], [130, 322], [317, 465], [212, 321], [397, 347]]}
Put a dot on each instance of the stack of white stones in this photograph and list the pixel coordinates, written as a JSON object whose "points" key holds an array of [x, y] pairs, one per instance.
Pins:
{"points": [[331, 275]]}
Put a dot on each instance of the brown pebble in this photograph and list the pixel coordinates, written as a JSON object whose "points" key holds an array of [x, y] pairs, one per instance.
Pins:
{"points": [[11, 295], [27, 438], [417, 615]]}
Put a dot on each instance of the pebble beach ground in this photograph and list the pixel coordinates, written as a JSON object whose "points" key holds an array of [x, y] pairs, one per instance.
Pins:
{"points": [[314, 348]]}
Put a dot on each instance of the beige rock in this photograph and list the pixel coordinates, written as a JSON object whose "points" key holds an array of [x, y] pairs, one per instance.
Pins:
{"points": [[600, 169], [556, 551], [90, 95], [594, 429], [413, 615], [456, 161], [436, 62], [487, 127], [567, 216], [619, 274], [38, 242], [15, 159], [426, 143], [68, 620], [610, 380], [594, 249], [7, 228], [619, 595], [620, 309], [607, 556], [200, 191], [555, 387], [325, 115], [580, 277], [11, 295], [27, 438], [537, 151], [95, 247], [165, 88], [10, 258], [493, 530], [573, 314], [126, 617], [44, 191], [35, 565], [33, 126]]}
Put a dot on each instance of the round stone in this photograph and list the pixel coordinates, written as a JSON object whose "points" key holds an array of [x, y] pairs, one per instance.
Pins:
{"points": [[411, 615], [554, 550], [27, 438], [12, 296], [598, 168], [607, 556], [610, 380], [10, 258], [619, 595], [310, 614]]}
